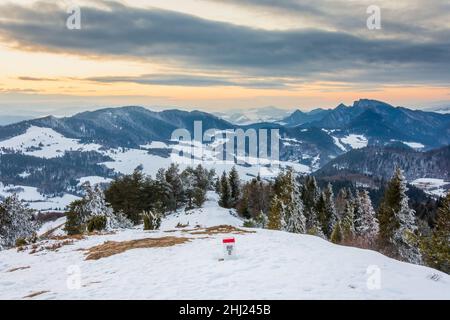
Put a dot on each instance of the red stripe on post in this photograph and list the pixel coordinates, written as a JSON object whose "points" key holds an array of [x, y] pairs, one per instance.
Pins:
{"points": [[229, 240]]}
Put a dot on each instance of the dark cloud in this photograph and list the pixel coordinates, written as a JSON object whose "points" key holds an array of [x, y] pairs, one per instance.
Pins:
{"points": [[36, 79], [191, 42], [188, 81]]}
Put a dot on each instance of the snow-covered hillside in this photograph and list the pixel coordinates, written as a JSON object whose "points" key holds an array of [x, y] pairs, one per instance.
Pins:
{"points": [[269, 265], [45, 143]]}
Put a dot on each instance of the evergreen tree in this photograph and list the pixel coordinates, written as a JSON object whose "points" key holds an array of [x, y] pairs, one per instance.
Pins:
{"points": [[125, 195], [310, 195], [74, 217], [260, 220], [341, 202], [225, 195], [199, 197], [320, 209], [436, 247], [330, 210], [152, 220], [188, 180], [289, 202], [235, 188], [347, 225], [17, 222], [397, 221], [157, 194], [242, 206], [357, 212], [294, 209], [336, 235], [366, 224], [93, 209], [173, 178], [275, 221], [217, 186]]}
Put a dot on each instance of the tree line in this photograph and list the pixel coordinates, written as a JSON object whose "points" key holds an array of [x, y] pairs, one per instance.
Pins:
{"points": [[136, 198]]}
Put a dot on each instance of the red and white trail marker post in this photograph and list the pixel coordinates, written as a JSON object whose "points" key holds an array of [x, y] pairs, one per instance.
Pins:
{"points": [[229, 249]]}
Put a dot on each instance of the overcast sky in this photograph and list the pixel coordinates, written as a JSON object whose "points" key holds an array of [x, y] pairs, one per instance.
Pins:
{"points": [[222, 54]]}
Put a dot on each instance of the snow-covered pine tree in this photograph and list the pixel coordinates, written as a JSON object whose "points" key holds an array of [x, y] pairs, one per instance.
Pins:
{"points": [[357, 211], [260, 220], [294, 210], [347, 224], [165, 201], [340, 202], [330, 210], [16, 222], [188, 180], [366, 224], [92, 206], [173, 177], [436, 247], [397, 221], [96, 206], [152, 220]]}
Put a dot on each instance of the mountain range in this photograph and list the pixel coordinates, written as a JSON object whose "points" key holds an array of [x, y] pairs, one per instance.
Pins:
{"points": [[369, 136]]}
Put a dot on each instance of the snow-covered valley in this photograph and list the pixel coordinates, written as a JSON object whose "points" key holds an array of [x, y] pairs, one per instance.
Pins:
{"points": [[269, 265]]}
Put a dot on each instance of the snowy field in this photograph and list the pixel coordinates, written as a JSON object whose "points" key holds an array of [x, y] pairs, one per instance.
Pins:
{"points": [[269, 265], [436, 187], [35, 199]]}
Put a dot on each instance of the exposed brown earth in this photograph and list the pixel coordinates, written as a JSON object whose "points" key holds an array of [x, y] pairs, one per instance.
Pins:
{"points": [[111, 248]]}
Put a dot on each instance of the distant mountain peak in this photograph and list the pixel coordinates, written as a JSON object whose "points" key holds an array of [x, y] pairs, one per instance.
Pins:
{"points": [[365, 103]]}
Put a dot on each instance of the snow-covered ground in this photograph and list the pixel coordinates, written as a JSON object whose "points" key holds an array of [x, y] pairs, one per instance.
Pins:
{"points": [[436, 187], [356, 141], [49, 226], [45, 143], [93, 180], [35, 199], [269, 265]]}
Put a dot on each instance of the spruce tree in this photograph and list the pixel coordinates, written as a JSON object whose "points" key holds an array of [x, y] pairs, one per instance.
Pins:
{"points": [[93, 209], [310, 195], [17, 222], [225, 195], [173, 178], [436, 247], [330, 210], [75, 217], [347, 225], [275, 214], [320, 209], [294, 209], [125, 195], [199, 197], [366, 224], [357, 212], [188, 180], [336, 236], [234, 182], [397, 221], [289, 202], [242, 206]]}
